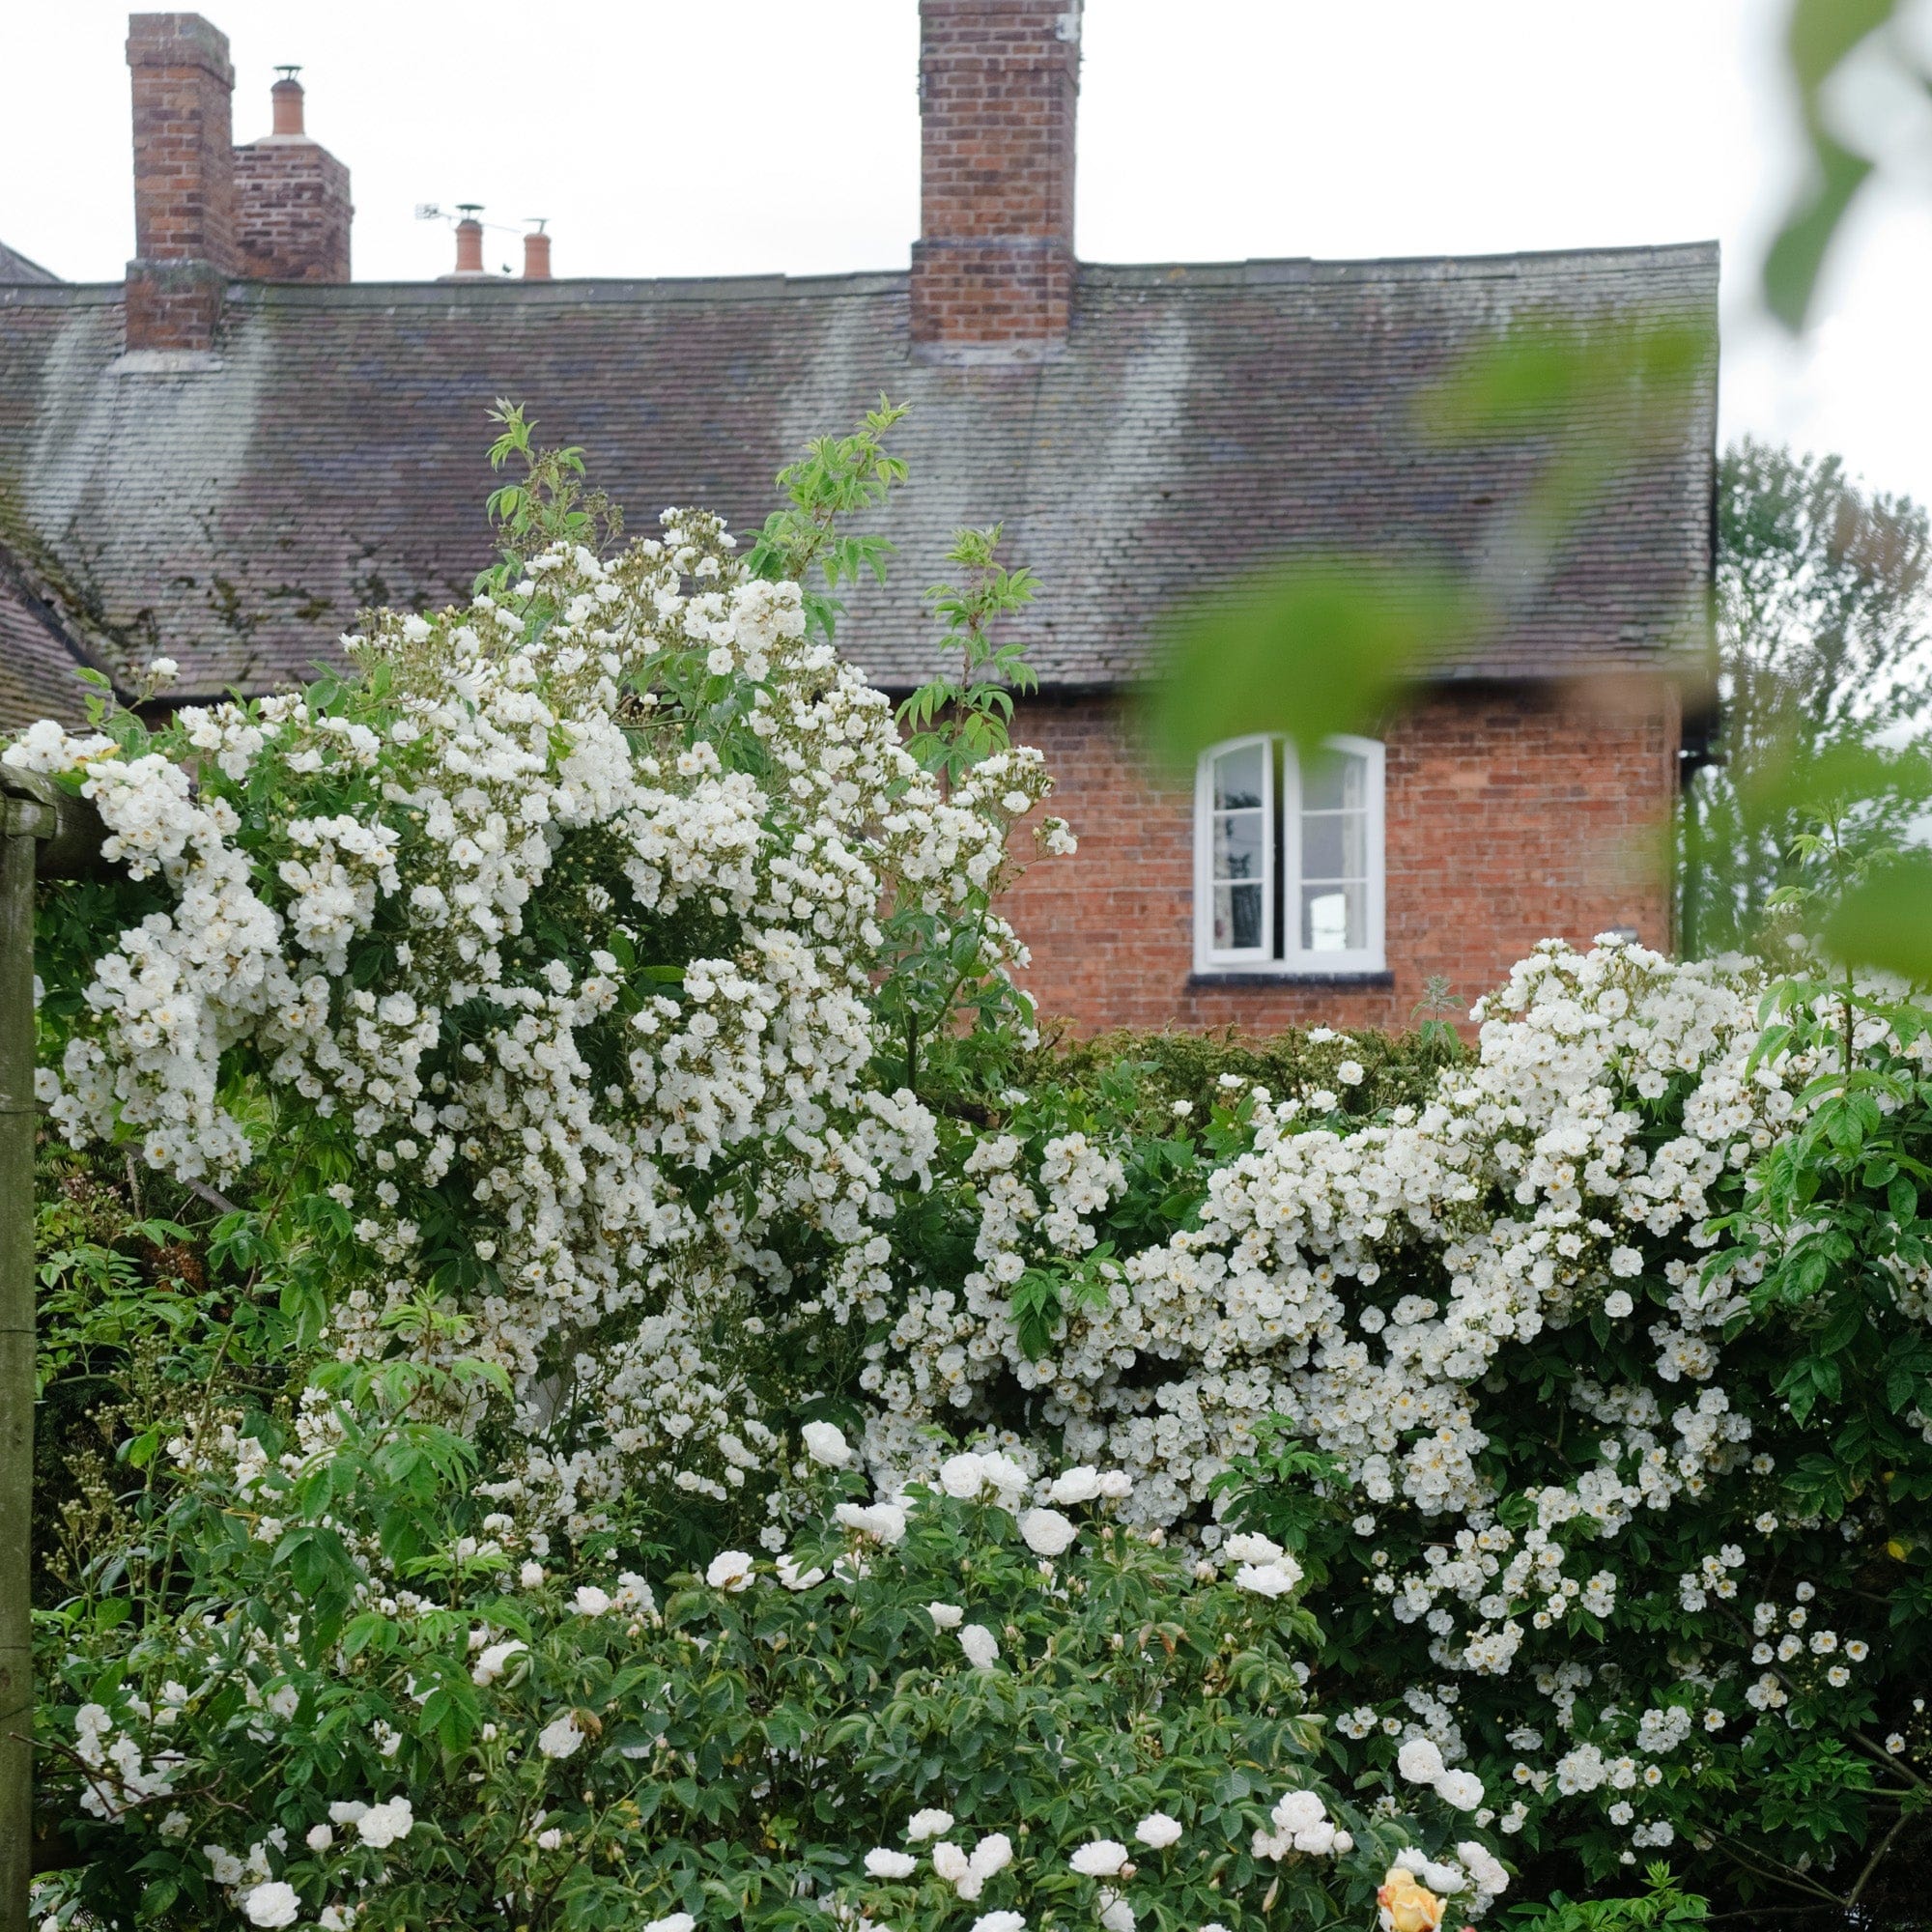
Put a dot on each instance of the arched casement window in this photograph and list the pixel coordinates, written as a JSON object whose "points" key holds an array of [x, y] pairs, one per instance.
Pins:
{"points": [[1287, 857]]}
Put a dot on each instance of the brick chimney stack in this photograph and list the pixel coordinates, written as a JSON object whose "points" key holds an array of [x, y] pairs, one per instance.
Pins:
{"points": [[536, 255], [292, 211], [993, 269], [185, 244]]}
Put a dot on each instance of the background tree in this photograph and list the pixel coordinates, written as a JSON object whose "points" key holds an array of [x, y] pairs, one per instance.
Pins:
{"points": [[1823, 623]]}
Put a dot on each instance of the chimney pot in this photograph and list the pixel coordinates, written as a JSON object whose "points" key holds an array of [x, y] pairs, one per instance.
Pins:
{"points": [[287, 97], [468, 240], [536, 255]]}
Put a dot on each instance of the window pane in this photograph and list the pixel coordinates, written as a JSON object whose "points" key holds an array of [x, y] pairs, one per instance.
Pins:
{"points": [[1334, 918], [1335, 845], [1238, 917], [1334, 781], [1238, 845], [1237, 779]]}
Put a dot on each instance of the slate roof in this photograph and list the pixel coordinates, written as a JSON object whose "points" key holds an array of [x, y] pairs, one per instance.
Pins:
{"points": [[15, 268], [235, 510]]}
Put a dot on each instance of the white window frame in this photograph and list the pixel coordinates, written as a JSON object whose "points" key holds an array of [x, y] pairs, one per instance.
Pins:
{"points": [[1281, 872], [1233, 959]]}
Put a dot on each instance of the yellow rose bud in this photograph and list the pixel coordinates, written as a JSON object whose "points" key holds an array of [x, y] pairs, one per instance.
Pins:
{"points": [[1895, 1549]]}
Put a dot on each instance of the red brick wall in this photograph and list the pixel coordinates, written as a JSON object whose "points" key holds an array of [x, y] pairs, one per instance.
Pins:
{"points": [[292, 211], [1512, 816], [999, 81], [183, 180]]}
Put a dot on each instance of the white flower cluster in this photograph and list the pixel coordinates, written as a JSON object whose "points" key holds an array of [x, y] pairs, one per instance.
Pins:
{"points": [[1362, 1284], [1527, 1181], [1474, 1874], [553, 958], [274, 1902], [119, 1775], [1301, 1824]]}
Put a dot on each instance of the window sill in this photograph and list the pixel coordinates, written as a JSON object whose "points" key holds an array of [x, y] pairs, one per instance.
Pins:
{"points": [[1367, 978]]}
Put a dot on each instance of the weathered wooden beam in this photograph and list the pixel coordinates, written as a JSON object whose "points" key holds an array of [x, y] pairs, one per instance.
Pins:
{"points": [[43, 833]]}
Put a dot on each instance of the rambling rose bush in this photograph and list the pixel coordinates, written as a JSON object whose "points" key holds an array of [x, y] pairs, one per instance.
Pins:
{"points": [[528, 1084], [1615, 1350]]}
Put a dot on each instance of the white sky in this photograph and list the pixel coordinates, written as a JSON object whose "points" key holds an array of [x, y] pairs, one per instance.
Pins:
{"points": [[666, 139]]}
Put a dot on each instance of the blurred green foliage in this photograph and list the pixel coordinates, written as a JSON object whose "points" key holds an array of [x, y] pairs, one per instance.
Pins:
{"points": [[1823, 620]]}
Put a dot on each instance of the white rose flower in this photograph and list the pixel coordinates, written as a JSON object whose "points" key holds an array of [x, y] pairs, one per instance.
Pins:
{"points": [[1116, 1914], [795, 1578], [885, 1863], [1248, 1547], [1116, 1485], [1482, 1865], [950, 1862], [730, 1570], [1463, 1789], [982, 1647], [1102, 1859], [273, 1904], [1297, 1810], [530, 1576], [883, 1522], [1618, 1303], [1003, 1473], [1046, 1532], [994, 1853], [826, 1446], [999, 1921], [320, 1837], [1157, 1831], [1269, 1579], [963, 1475], [1419, 1761], [590, 1600], [1079, 1485], [928, 1824], [382, 1825], [496, 1659], [676, 1921], [946, 1617], [561, 1738]]}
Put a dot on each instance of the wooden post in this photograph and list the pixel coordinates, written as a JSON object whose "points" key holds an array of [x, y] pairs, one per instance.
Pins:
{"points": [[42, 831]]}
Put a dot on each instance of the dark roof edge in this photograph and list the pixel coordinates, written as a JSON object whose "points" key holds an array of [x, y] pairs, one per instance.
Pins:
{"points": [[24, 587], [1676, 666], [1257, 272]]}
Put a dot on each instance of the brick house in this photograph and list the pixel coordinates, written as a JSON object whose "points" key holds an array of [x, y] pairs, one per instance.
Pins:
{"points": [[227, 455]]}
